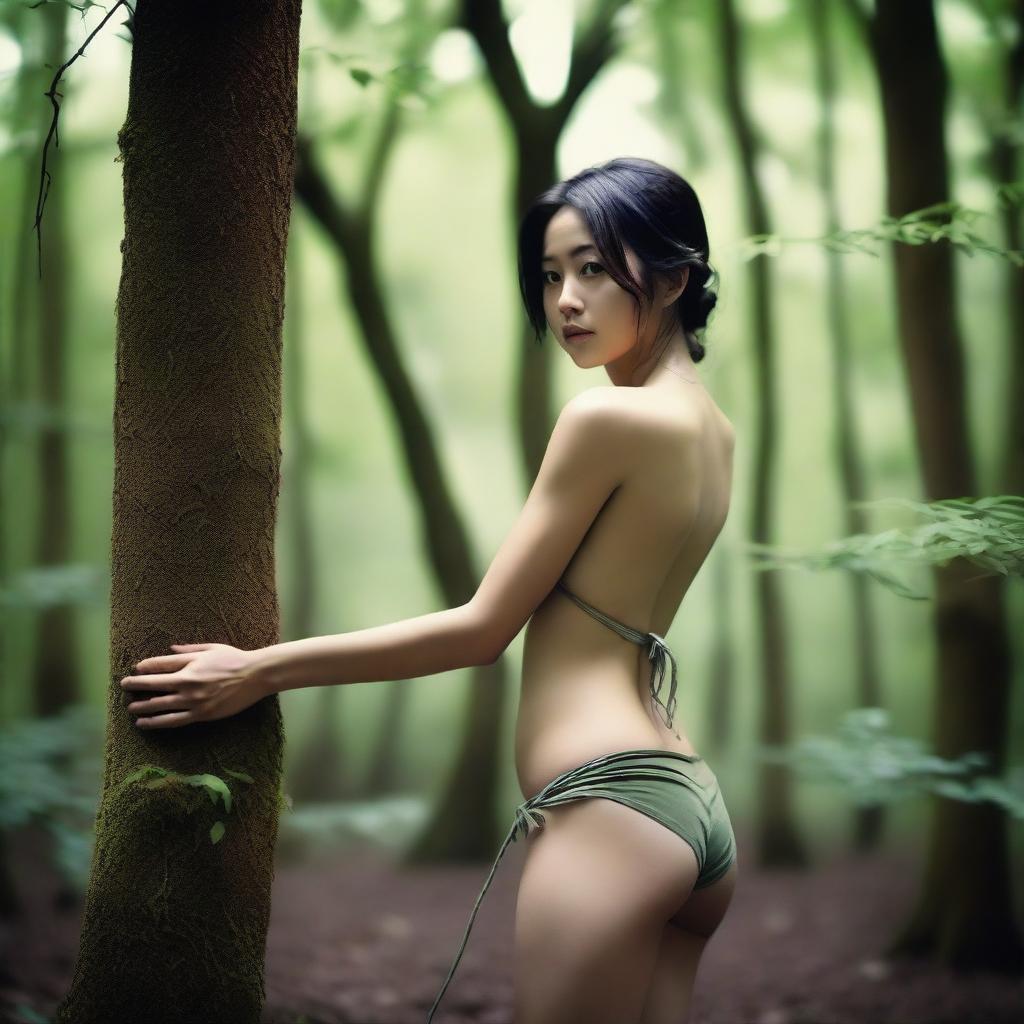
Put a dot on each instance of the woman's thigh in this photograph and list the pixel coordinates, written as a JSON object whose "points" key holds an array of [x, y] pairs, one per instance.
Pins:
{"points": [[682, 944], [600, 881]]}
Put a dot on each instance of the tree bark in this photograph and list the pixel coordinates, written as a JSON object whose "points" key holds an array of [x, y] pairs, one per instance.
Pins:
{"points": [[964, 911], [174, 926]]}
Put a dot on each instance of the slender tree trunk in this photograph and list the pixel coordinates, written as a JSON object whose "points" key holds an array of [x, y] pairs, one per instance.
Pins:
{"points": [[56, 671], [319, 773], [17, 342], [869, 821], [668, 29], [1006, 167], [536, 130], [464, 824], [779, 840], [175, 927], [722, 671], [964, 913]]}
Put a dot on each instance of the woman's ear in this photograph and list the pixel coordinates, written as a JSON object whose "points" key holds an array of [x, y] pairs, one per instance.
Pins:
{"points": [[677, 286]]}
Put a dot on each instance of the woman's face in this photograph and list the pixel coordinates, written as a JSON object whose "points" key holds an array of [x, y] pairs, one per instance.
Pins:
{"points": [[578, 291]]}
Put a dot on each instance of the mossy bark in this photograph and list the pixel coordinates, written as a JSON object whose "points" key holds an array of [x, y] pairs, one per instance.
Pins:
{"points": [[175, 925]]}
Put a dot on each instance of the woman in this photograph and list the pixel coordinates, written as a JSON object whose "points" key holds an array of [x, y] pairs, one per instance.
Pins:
{"points": [[619, 894]]}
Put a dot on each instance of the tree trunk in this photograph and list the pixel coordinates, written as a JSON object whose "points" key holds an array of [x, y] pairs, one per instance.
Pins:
{"points": [[869, 821], [464, 825], [722, 663], [536, 130], [779, 841], [175, 927], [1005, 163], [964, 913], [56, 671], [18, 340], [319, 773]]}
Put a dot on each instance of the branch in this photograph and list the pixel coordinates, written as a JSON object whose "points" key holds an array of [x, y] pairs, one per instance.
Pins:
{"points": [[44, 176], [484, 21], [590, 52], [312, 188]]}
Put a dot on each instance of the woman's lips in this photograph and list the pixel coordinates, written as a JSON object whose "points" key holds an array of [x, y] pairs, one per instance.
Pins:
{"points": [[579, 336]]}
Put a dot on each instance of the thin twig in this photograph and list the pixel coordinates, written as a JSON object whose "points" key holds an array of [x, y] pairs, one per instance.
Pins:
{"points": [[44, 176]]}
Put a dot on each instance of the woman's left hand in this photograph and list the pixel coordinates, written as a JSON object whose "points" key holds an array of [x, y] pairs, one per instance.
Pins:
{"points": [[206, 682]]}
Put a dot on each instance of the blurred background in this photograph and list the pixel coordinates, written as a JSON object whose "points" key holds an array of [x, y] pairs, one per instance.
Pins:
{"points": [[415, 408]]}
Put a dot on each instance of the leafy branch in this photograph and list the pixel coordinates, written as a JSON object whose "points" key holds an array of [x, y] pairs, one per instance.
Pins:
{"points": [[874, 766], [986, 531], [950, 221]]}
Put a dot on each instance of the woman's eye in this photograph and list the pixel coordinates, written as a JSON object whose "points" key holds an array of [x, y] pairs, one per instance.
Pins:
{"points": [[589, 263]]}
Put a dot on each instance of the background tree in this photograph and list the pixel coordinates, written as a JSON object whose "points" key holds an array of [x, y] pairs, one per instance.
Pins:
{"points": [[964, 911], [778, 838], [536, 129], [849, 458], [463, 823]]}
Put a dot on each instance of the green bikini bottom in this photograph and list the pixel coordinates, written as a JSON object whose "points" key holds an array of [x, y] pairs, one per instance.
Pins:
{"points": [[678, 790]]}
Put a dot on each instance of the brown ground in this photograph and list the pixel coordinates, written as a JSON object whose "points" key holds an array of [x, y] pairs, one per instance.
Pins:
{"points": [[355, 940]]}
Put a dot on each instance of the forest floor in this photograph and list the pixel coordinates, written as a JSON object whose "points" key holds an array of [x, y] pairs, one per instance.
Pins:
{"points": [[356, 939]]}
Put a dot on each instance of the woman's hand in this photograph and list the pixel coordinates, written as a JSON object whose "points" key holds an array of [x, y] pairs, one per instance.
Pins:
{"points": [[206, 682]]}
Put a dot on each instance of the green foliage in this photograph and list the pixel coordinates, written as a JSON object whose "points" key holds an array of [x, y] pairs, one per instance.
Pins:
{"points": [[404, 78], [873, 766], [50, 775], [214, 785], [949, 220], [46, 586], [987, 531]]}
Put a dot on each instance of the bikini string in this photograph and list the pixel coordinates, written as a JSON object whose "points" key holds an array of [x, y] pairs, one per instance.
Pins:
{"points": [[657, 652], [564, 786], [521, 826]]}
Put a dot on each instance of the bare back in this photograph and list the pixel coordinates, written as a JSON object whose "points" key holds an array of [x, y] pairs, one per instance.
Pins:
{"points": [[585, 690]]}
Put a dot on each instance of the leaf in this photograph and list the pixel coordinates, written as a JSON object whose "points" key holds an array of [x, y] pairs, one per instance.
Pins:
{"points": [[146, 769], [240, 775], [214, 786], [361, 75], [217, 832]]}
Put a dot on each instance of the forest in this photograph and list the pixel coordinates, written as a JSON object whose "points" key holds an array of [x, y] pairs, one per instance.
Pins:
{"points": [[266, 374]]}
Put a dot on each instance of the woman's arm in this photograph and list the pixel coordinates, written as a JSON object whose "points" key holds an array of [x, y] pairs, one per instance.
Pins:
{"points": [[581, 468], [421, 646], [585, 461]]}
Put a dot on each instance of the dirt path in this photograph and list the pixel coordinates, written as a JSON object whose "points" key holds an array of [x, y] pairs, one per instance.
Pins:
{"points": [[356, 940]]}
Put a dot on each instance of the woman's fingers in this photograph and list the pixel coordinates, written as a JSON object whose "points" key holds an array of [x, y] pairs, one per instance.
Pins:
{"points": [[163, 662], [152, 704], [165, 721], [157, 682]]}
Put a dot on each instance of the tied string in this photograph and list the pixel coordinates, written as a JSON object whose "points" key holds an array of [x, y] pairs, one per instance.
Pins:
{"points": [[596, 777], [657, 652], [525, 817]]}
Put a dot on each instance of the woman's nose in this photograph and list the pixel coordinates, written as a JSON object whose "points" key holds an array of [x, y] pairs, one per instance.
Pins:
{"points": [[568, 300]]}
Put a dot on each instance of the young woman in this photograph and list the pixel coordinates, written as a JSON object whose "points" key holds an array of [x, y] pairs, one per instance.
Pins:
{"points": [[631, 859]]}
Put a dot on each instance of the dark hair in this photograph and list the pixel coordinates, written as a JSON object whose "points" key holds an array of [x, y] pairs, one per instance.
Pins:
{"points": [[647, 206]]}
